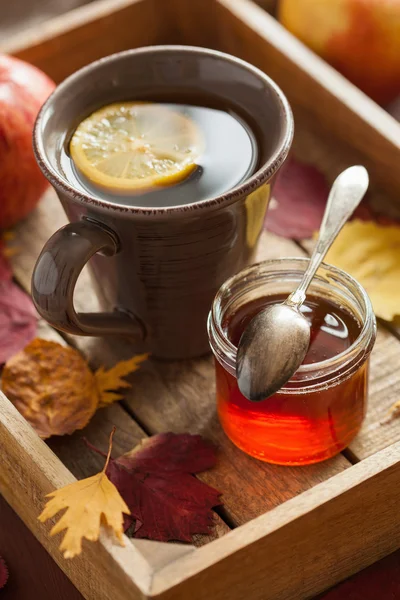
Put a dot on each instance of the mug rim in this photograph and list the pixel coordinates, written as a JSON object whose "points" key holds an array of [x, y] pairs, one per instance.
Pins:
{"points": [[262, 175]]}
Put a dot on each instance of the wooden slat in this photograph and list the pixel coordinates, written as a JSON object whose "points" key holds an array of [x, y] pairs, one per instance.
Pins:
{"points": [[268, 5], [303, 546], [21, 15], [180, 396], [380, 428], [66, 43], [182, 16]]}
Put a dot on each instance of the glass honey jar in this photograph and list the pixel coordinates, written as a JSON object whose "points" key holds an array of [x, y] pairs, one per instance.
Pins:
{"points": [[320, 410]]}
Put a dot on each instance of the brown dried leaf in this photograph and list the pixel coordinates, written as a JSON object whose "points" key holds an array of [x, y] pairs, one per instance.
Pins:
{"points": [[52, 387]]}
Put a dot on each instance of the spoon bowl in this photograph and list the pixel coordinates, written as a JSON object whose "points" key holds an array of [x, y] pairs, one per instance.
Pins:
{"points": [[285, 352]]}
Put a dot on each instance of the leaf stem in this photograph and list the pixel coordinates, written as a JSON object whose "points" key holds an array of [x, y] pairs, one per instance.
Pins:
{"points": [[109, 449]]}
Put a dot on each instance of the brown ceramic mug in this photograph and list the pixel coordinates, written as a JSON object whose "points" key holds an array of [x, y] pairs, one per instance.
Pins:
{"points": [[157, 269]]}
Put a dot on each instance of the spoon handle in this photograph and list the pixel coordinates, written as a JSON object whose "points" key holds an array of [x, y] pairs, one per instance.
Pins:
{"points": [[346, 194]]}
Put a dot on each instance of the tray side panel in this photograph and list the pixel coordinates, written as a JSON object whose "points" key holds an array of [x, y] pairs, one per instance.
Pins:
{"points": [[29, 471], [69, 42], [302, 547]]}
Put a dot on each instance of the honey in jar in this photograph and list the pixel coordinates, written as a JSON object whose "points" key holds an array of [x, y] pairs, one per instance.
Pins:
{"points": [[320, 410]]}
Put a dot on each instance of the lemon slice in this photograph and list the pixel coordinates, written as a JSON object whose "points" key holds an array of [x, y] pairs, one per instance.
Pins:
{"points": [[129, 146]]}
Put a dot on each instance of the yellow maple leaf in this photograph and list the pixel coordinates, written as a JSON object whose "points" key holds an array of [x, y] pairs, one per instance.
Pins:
{"points": [[108, 381], [89, 503], [371, 254]]}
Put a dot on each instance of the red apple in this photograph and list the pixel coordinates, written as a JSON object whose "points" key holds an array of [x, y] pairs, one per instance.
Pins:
{"points": [[23, 89], [360, 38]]}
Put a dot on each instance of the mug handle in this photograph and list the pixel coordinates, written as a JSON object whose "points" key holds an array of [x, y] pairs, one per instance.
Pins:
{"points": [[55, 275]]}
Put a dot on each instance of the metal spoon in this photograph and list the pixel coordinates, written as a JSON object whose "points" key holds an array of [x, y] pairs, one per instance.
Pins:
{"points": [[275, 342]]}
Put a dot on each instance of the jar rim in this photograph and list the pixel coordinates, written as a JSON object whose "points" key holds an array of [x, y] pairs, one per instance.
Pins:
{"points": [[226, 350]]}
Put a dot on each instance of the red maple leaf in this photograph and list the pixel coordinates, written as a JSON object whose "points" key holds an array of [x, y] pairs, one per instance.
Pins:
{"points": [[18, 319], [3, 573], [156, 481], [300, 196]]}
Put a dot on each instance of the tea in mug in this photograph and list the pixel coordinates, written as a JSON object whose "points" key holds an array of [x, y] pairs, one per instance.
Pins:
{"points": [[154, 154]]}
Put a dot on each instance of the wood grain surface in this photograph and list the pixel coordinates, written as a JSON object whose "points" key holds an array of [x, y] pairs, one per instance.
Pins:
{"points": [[176, 396], [64, 44], [301, 547], [268, 5], [19, 15]]}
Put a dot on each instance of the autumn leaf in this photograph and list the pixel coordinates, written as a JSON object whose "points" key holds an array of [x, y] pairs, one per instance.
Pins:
{"points": [[299, 200], [371, 254], [106, 381], [156, 481], [300, 196], [3, 573], [5, 268], [89, 503], [53, 387], [18, 319]]}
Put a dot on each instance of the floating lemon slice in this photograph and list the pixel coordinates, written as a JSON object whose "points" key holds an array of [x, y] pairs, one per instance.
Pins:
{"points": [[129, 146]]}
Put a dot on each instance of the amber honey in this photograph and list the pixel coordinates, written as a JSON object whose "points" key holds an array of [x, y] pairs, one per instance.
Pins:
{"points": [[321, 409]]}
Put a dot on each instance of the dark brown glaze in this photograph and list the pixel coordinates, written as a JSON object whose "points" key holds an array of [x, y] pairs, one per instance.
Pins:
{"points": [[56, 272], [170, 261]]}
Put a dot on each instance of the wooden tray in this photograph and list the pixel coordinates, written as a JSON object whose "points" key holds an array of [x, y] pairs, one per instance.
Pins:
{"points": [[284, 533]]}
